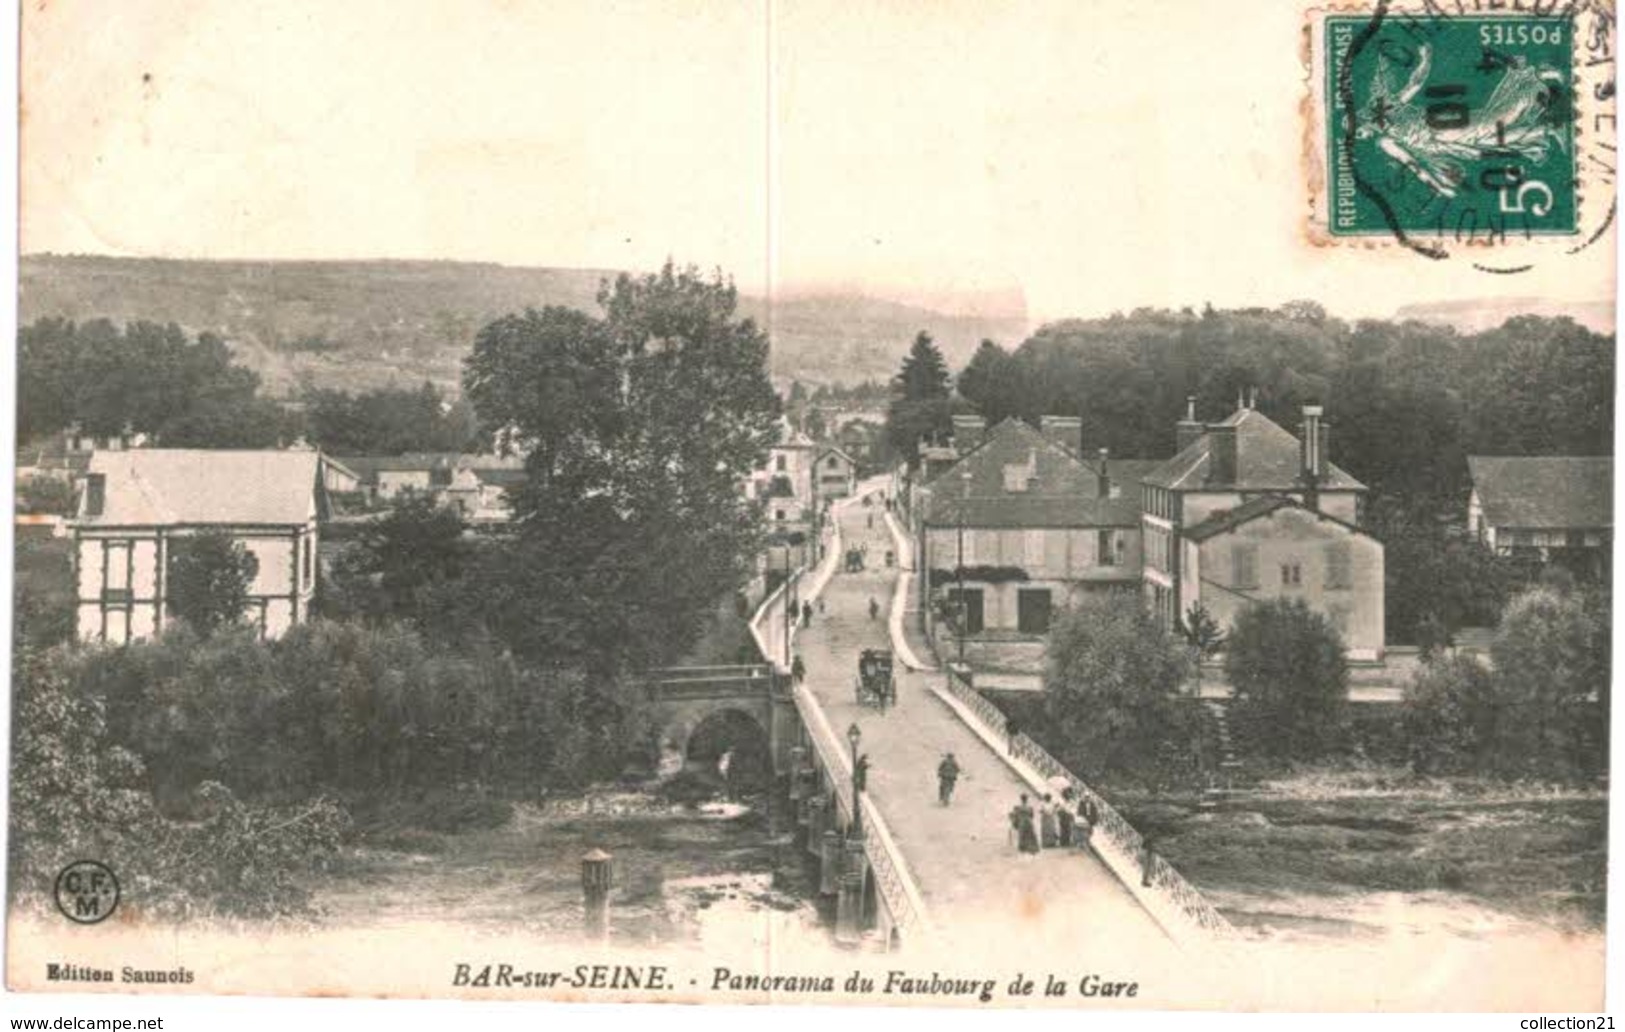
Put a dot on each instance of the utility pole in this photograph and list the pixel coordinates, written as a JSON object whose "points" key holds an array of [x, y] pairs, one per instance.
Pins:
{"points": [[961, 609]]}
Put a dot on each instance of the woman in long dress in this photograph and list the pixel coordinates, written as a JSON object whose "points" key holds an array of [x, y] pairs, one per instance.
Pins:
{"points": [[1048, 823], [1026, 828]]}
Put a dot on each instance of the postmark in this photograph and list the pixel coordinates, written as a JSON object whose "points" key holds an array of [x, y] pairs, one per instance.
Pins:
{"points": [[1475, 130], [87, 891]]}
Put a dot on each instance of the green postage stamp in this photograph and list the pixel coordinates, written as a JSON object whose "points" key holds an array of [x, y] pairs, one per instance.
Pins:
{"points": [[1476, 126]]}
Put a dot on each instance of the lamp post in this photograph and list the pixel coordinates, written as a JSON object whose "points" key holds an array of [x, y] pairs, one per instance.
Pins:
{"points": [[855, 735], [789, 614]]}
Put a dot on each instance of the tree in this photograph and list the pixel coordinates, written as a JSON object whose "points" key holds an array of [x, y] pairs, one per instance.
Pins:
{"points": [[397, 558], [920, 403], [1286, 667], [637, 429], [992, 381], [1452, 716], [1551, 662], [1204, 636], [208, 579], [1111, 692]]}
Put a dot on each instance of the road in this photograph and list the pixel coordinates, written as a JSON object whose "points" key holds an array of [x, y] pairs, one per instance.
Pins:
{"points": [[969, 873]]}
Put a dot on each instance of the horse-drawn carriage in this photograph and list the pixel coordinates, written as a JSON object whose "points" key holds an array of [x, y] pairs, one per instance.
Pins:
{"points": [[875, 685]]}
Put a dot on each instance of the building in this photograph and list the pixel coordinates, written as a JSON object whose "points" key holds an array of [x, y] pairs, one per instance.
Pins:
{"points": [[837, 474], [1246, 512], [138, 507], [481, 491], [862, 440], [1546, 506], [785, 483], [390, 478], [1022, 525]]}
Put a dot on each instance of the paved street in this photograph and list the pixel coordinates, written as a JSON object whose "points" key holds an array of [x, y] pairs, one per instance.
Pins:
{"points": [[962, 858]]}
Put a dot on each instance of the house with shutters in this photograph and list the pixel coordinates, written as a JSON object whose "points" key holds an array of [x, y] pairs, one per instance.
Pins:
{"points": [[837, 473], [137, 508], [1245, 512], [786, 484], [1020, 526], [1549, 507]]}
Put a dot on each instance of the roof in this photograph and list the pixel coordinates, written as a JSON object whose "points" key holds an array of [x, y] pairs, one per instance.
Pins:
{"points": [[1062, 491], [1267, 459], [168, 486], [1226, 520], [830, 449], [1550, 491], [367, 467]]}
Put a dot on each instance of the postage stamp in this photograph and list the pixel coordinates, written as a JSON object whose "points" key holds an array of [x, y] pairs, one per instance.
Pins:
{"points": [[1442, 129]]}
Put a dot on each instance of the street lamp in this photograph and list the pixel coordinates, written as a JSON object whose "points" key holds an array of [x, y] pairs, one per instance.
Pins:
{"points": [[855, 735]]}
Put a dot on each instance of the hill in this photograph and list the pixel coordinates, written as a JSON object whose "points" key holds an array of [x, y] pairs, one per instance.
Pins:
{"points": [[356, 324]]}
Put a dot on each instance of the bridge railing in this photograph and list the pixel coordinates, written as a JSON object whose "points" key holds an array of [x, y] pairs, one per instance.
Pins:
{"points": [[1173, 901], [895, 887]]}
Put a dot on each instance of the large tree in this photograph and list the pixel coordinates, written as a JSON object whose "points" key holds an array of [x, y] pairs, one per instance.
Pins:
{"points": [[1286, 666], [637, 428], [921, 404], [1111, 692], [1551, 662], [993, 382]]}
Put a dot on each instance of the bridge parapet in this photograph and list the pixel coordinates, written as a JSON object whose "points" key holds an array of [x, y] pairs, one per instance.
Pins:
{"points": [[893, 883], [700, 682], [1176, 904]]}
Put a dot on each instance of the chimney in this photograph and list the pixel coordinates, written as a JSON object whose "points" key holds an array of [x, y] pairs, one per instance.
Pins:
{"points": [[1066, 431], [1103, 480], [1221, 453], [1312, 454], [969, 429], [1187, 431], [95, 494]]}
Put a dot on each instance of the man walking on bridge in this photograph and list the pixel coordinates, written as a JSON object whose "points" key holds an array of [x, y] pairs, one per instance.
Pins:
{"points": [[947, 774]]}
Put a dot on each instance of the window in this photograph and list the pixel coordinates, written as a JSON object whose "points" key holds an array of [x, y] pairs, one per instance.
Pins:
{"points": [[116, 571], [1291, 575], [1033, 610], [778, 463], [1339, 576], [310, 566], [1106, 550], [1244, 566], [1034, 548], [778, 514], [833, 462]]}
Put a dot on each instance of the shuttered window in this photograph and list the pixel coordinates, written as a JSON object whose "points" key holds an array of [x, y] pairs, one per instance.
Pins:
{"points": [[1244, 566], [1034, 549], [1339, 573]]}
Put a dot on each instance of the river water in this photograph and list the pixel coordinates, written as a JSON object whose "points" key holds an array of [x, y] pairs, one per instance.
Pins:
{"points": [[679, 873]]}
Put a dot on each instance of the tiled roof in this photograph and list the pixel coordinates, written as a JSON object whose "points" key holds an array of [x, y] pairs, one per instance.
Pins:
{"points": [[167, 486], [1267, 459], [1061, 492], [1544, 491], [1229, 519]]}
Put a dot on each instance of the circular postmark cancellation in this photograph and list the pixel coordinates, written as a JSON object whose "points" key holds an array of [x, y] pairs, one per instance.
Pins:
{"points": [[87, 891], [1483, 129]]}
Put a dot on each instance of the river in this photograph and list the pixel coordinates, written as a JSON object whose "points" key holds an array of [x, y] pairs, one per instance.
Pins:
{"points": [[679, 873]]}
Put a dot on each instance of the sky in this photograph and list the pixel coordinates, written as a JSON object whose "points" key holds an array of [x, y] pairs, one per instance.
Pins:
{"points": [[1069, 158]]}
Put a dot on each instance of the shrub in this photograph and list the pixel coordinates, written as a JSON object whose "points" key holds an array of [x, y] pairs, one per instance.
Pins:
{"points": [[1450, 716], [1286, 666], [208, 579]]}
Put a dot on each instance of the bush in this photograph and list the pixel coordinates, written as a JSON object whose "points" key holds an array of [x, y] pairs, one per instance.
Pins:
{"points": [[1551, 666], [76, 795], [1286, 666], [1450, 716]]}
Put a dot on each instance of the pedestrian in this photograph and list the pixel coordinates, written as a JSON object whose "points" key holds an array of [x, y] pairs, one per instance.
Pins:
{"points": [[1066, 819], [947, 774], [1011, 730], [798, 670], [1049, 827], [874, 607], [1148, 859], [869, 520], [820, 605], [1088, 817], [1026, 832], [806, 614]]}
